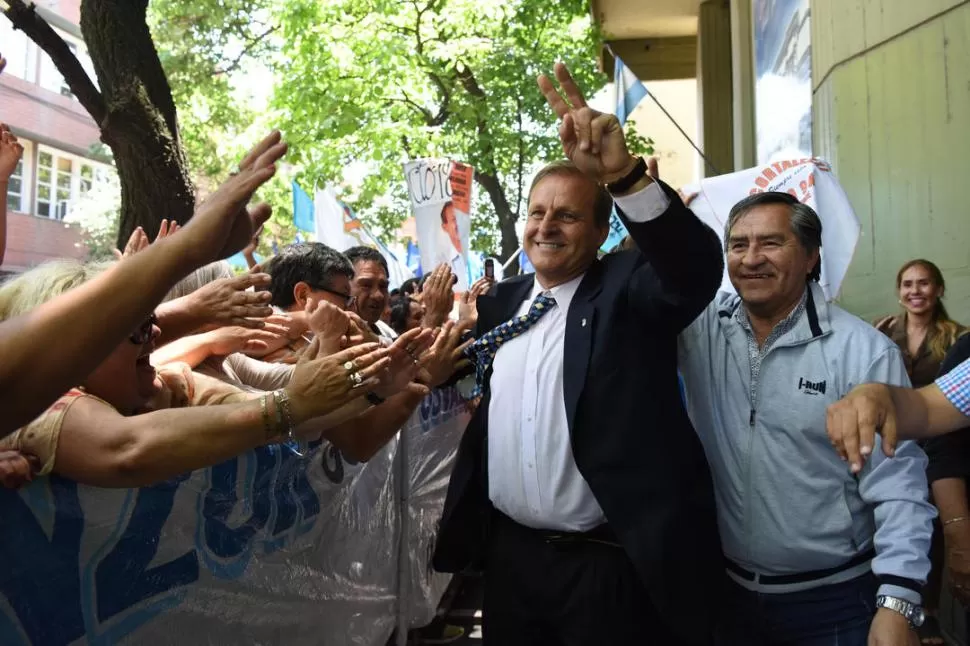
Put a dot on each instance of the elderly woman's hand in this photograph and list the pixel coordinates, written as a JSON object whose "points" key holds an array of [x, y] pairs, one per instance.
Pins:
{"points": [[323, 383]]}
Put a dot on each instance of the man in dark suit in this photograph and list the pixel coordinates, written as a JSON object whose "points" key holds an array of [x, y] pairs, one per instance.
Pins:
{"points": [[580, 485]]}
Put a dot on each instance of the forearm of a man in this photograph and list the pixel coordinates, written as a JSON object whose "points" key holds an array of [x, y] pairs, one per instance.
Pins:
{"points": [[362, 437], [925, 412]]}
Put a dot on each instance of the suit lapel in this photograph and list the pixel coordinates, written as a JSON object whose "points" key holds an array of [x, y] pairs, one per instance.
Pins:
{"points": [[493, 310], [580, 321]]}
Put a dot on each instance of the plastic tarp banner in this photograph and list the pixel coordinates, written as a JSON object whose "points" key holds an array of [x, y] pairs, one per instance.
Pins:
{"points": [[441, 192], [266, 548], [812, 182]]}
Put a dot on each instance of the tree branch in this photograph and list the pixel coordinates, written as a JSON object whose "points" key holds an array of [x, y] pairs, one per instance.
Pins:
{"points": [[468, 81], [487, 177], [125, 21], [520, 166], [24, 18], [234, 65], [424, 112]]}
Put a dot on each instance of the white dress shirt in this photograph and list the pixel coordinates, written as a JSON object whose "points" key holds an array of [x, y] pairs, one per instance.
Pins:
{"points": [[532, 474]]}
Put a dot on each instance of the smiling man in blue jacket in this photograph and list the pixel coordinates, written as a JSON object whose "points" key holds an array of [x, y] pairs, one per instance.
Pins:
{"points": [[817, 556]]}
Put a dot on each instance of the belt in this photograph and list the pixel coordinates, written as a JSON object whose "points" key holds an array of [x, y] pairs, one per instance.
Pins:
{"points": [[601, 534], [803, 577]]}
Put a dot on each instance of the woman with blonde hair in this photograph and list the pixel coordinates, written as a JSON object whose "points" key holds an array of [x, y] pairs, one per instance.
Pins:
{"points": [[127, 425], [924, 331]]}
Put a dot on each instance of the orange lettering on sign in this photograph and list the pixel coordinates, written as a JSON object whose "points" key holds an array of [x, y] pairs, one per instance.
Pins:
{"points": [[350, 222], [461, 186]]}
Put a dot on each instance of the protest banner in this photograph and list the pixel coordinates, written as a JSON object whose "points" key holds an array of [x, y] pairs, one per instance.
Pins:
{"points": [[441, 194], [269, 547], [809, 180], [335, 225]]}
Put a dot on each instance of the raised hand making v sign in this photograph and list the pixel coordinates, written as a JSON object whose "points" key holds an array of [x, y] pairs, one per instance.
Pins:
{"points": [[592, 140], [556, 350]]}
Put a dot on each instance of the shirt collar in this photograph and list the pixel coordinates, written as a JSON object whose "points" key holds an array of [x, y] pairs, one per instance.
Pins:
{"points": [[562, 293], [782, 326]]}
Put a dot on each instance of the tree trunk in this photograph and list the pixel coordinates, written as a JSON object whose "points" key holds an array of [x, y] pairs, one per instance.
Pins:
{"points": [[506, 218], [140, 126]]}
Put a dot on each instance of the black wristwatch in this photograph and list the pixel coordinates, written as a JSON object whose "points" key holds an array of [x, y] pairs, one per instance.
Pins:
{"points": [[374, 398], [626, 182]]}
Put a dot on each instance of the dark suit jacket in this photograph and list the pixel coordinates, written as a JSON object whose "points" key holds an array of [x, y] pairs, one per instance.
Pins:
{"points": [[631, 437]]}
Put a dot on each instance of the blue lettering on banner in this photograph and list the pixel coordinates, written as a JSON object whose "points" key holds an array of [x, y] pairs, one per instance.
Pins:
{"points": [[54, 598], [442, 405]]}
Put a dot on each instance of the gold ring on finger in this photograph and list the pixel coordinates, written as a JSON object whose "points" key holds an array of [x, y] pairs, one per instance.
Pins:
{"points": [[356, 379], [350, 366]]}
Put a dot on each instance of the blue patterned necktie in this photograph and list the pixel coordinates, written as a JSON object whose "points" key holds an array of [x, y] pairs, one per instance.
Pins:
{"points": [[482, 352]]}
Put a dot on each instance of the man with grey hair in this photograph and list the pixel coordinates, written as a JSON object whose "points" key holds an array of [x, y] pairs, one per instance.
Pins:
{"points": [[815, 554]]}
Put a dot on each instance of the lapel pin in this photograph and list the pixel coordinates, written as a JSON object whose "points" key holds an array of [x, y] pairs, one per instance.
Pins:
{"points": [[584, 323]]}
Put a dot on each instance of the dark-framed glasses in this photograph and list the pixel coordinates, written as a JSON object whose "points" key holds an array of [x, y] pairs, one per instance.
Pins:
{"points": [[348, 299]]}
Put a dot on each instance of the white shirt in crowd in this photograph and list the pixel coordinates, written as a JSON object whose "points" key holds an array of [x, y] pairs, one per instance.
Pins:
{"points": [[532, 475]]}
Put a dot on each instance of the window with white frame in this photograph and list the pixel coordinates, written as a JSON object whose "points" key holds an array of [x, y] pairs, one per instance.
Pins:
{"points": [[51, 78], [63, 179], [18, 191], [18, 50]]}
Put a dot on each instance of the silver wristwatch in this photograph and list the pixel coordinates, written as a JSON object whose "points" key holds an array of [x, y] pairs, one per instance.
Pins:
{"points": [[913, 613]]}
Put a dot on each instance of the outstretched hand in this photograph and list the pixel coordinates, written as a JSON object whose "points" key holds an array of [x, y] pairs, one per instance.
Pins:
{"points": [[11, 151], [224, 224], [138, 240], [592, 140]]}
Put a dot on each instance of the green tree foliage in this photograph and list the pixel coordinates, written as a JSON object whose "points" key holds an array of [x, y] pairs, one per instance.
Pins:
{"points": [[362, 86]]}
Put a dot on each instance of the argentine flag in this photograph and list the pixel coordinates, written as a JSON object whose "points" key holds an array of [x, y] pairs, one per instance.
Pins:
{"points": [[629, 92]]}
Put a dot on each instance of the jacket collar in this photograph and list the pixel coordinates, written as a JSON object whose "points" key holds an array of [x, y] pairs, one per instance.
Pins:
{"points": [[814, 322], [500, 305]]}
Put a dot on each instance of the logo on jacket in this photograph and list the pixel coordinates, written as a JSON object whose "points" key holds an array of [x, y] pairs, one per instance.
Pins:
{"points": [[811, 387]]}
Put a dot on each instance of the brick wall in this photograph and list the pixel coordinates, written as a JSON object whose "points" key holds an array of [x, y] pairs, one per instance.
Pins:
{"points": [[32, 240], [70, 9], [29, 107]]}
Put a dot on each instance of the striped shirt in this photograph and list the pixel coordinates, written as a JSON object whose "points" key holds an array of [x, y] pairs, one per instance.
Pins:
{"points": [[956, 387]]}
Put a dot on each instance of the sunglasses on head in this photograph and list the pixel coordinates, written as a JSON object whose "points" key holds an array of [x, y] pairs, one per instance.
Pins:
{"points": [[143, 334]]}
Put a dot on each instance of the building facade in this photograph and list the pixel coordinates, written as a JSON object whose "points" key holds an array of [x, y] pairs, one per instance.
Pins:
{"points": [[878, 88], [62, 159]]}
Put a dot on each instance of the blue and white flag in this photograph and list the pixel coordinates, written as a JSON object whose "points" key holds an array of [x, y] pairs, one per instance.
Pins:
{"points": [[413, 259], [302, 209], [629, 92]]}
